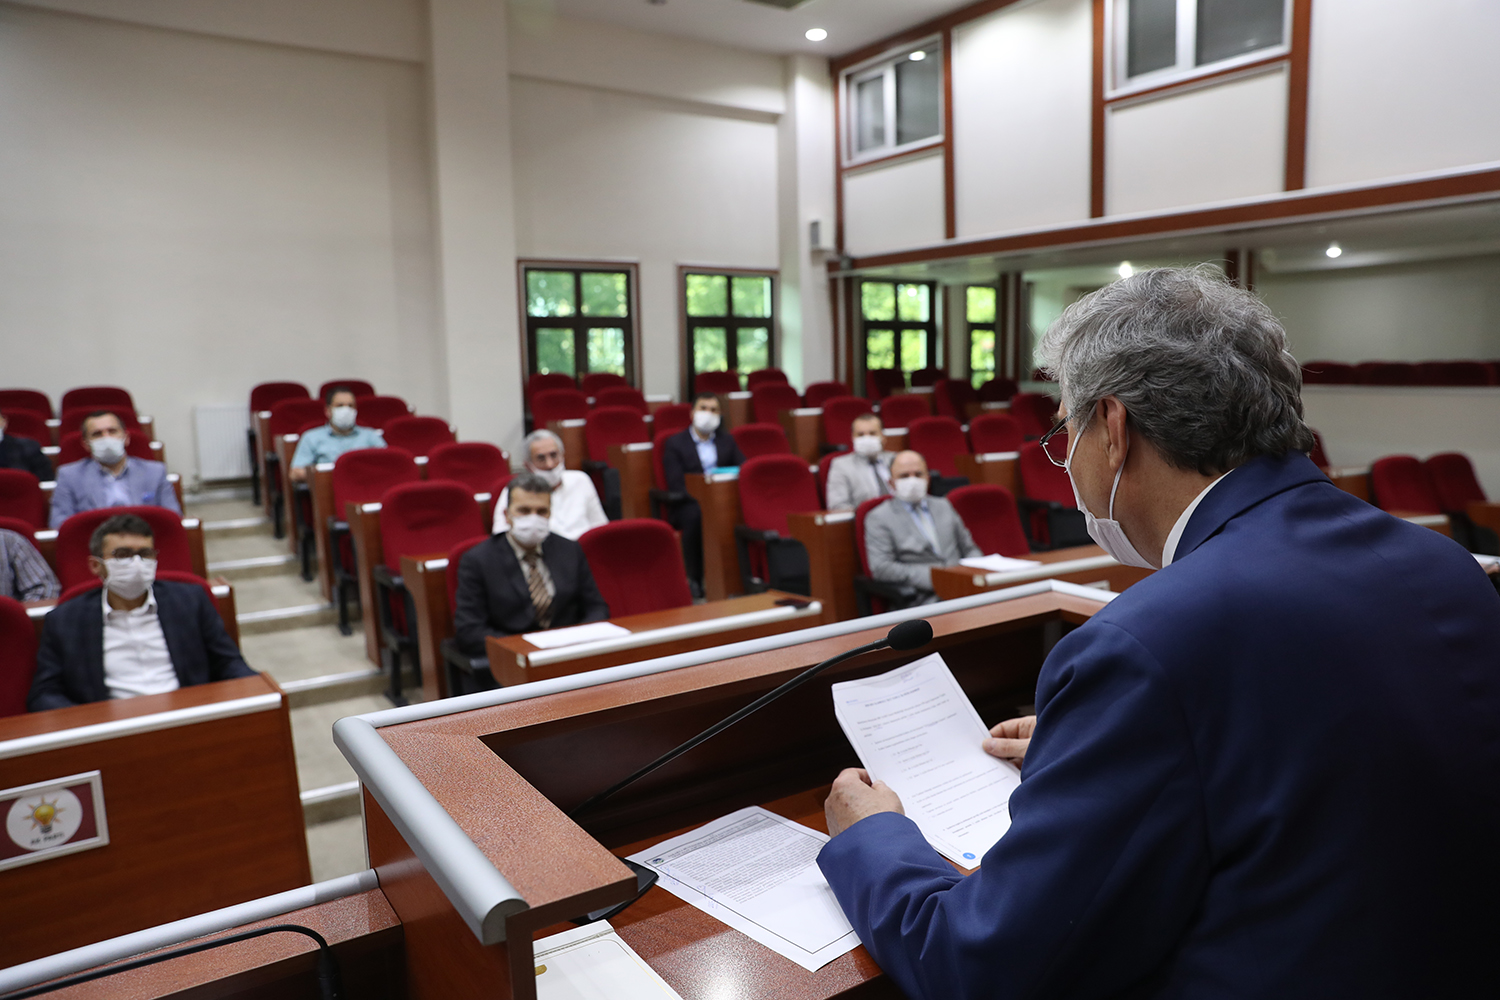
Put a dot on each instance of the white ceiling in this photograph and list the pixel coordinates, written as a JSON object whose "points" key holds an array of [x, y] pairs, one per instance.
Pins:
{"points": [[746, 24]]}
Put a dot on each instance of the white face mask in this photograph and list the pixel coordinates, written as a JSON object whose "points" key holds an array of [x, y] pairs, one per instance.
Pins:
{"points": [[529, 530], [552, 477], [129, 578], [911, 488], [1107, 531], [704, 422], [107, 450], [343, 417], [868, 445]]}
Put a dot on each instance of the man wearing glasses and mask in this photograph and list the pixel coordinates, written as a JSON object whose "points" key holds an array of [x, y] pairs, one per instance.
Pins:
{"points": [[138, 635], [1267, 770]]}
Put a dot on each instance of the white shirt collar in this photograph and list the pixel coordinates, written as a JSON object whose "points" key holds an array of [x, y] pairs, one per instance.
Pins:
{"points": [[147, 607], [1169, 550]]}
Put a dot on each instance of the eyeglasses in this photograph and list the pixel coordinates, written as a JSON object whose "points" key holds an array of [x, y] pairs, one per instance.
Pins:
{"points": [[1048, 444], [123, 553]]}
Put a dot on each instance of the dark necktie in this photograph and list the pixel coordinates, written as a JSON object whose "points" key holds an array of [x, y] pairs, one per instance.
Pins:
{"points": [[540, 599], [880, 487]]}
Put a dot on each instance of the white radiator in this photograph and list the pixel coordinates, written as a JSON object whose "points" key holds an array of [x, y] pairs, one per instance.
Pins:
{"points": [[223, 452]]}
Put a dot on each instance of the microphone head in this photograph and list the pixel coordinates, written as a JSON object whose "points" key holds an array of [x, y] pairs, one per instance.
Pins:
{"points": [[910, 635]]}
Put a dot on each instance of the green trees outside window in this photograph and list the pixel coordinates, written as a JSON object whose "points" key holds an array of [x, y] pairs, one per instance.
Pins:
{"points": [[578, 320]]}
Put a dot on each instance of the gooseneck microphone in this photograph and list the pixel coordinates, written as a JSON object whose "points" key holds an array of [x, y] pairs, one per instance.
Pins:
{"points": [[907, 635]]}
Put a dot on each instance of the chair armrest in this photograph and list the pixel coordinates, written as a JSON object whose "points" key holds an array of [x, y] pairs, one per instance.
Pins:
{"points": [[885, 588], [1027, 504], [463, 661], [385, 578], [749, 534], [589, 465], [668, 496]]}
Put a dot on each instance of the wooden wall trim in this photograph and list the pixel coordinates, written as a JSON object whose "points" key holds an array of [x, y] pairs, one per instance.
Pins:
{"points": [[1096, 118], [950, 198], [1195, 82], [1296, 110]]}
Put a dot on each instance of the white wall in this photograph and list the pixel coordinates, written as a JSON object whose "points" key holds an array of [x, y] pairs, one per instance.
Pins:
{"points": [[806, 191], [188, 215], [1021, 107], [1397, 88], [894, 206]]}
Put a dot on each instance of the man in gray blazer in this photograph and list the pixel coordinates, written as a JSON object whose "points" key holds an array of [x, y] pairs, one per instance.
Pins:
{"points": [[109, 477], [912, 532], [865, 473]]}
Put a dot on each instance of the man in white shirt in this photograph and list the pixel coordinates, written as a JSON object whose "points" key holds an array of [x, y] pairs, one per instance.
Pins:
{"points": [[575, 502], [865, 473]]}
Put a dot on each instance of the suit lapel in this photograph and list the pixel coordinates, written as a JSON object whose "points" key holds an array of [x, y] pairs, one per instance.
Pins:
{"points": [[1248, 485], [514, 570], [173, 626]]}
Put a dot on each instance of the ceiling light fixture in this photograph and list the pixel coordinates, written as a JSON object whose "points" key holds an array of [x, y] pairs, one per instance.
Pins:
{"points": [[918, 55], [1334, 250], [816, 34], [1125, 269]]}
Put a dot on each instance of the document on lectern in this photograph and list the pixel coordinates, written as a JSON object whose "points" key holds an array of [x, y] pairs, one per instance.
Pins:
{"points": [[592, 962], [916, 730]]}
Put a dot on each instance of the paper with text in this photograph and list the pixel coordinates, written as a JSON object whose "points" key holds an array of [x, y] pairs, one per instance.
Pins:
{"points": [[758, 873], [916, 730], [999, 564], [574, 634], [593, 962]]}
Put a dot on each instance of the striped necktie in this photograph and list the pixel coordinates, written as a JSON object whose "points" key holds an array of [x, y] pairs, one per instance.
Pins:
{"points": [[540, 599]]}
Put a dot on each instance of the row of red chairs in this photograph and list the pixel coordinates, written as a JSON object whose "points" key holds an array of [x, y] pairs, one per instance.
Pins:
{"points": [[91, 397], [1447, 373], [1443, 484], [593, 383]]}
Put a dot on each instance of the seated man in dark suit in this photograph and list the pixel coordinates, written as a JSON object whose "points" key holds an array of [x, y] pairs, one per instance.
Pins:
{"points": [[24, 454], [701, 448], [526, 579], [142, 636]]}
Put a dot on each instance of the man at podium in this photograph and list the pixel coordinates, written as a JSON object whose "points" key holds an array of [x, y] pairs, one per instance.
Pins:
{"points": [[1267, 770]]}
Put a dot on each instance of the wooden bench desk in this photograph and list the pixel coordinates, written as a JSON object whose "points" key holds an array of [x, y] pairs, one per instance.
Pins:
{"points": [[575, 444], [996, 468], [320, 483], [1083, 564], [426, 579], [719, 497], [893, 438], [832, 559], [804, 431], [1355, 480], [284, 447], [737, 410], [260, 425], [633, 461]]}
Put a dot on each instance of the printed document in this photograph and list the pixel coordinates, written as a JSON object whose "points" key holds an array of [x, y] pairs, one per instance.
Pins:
{"points": [[592, 962], [998, 564], [758, 873], [571, 636], [916, 730]]}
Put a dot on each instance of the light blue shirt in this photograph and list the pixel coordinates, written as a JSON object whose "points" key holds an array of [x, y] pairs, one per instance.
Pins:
{"points": [[321, 444], [708, 451]]}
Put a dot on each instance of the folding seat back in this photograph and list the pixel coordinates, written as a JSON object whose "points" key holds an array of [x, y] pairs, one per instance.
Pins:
{"points": [[951, 398], [1401, 484], [838, 419], [594, 382], [27, 424], [1329, 373], [26, 529], [927, 376], [21, 497], [637, 565], [426, 518], [995, 432], [940, 440], [71, 421], [418, 435], [377, 411], [547, 382], [455, 556], [358, 386], [773, 486], [1318, 455], [820, 392], [900, 410], [475, 464], [998, 390], [96, 397], [549, 405], [71, 448], [1452, 475], [365, 475], [992, 517], [720, 382], [1386, 373], [765, 376], [1034, 411], [761, 439], [877, 605], [673, 417], [72, 553], [26, 399], [17, 656], [622, 395], [289, 416], [268, 394], [770, 398], [609, 425], [1040, 479], [881, 382]]}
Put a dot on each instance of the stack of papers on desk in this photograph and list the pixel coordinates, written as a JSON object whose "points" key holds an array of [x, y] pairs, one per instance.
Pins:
{"points": [[999, 564], [916, 730], [592, 962], [592, 632]]}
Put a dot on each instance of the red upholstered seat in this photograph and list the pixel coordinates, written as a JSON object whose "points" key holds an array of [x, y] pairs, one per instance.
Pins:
{"points": [[951, 398], [547, 382], [268, 394], [877, 604], [899, 411], [637, 565], [1452, 475], [1329, 373], [594, 382], [998, 390], [72, 552], [1318, 455], [17, 656], [940, 440], [881, 382], [769, 399], [927, 376], [838, 419], [773, 486], [558, 404], [1401, 483], [72, 418], [21, 497], [475, 464], [27, 424], [761, 439], [26, 399], [622, 395], [96, 397], [609, 425], [1453, 373], [823, 465], [673, 417], [418, 435], [992, 517], [71, 448], [765, 376], [658, 473], [358, 386], [377, 411], [720, 382], [1035, 411], [289, 416], [820, 392], [1045, 482], [26, 529], [995, 432], [426, 518], [365, 475], [1386, 373]]}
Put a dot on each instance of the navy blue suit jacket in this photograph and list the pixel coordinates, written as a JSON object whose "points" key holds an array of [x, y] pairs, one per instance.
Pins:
{"points": [[1271, 770], [679, 456], [70, 659]]}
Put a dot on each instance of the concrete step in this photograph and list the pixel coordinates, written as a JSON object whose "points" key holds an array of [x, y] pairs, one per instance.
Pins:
{"points": [[236, 526], [337, 687], [331, 802], [297, 616], [250, 568]]}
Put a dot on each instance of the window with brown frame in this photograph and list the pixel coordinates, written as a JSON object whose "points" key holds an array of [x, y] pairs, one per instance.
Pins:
{"points": [[731, 321], [579, 319], [899, 320]]}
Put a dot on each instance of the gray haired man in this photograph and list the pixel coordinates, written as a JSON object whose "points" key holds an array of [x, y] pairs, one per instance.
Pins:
{"points": [[575, 502]]}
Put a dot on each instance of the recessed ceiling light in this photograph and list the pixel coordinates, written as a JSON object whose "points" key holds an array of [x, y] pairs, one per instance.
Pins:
{"points": [[816, 34], [1334, 250], [1125, 269], [917, 56]]}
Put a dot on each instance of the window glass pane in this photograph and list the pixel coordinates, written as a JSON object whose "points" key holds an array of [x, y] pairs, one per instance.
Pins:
{"points": [[913, 350], [912, 303], [549, 293], [754, 348], [707, 295], [709, 351], [918, 84], [607, 349], [878, 300], [1151, 37], [554, 350], [1228, 28], [603, 294], [981, 355], [869, 113], [880, 349], [981, 304], [752, 297]]}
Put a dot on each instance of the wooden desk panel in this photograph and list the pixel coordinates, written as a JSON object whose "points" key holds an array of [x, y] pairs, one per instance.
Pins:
{"points": [[804, 431], [285, 448], [894, 439], [320, 483], [200, 816], [575, 444], [991, 471], [426, 578], [636, 477], [260, 422], [369, 552], [831, 555], [720, 500], [737, 410], [1353, 481], [949, 582]]}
